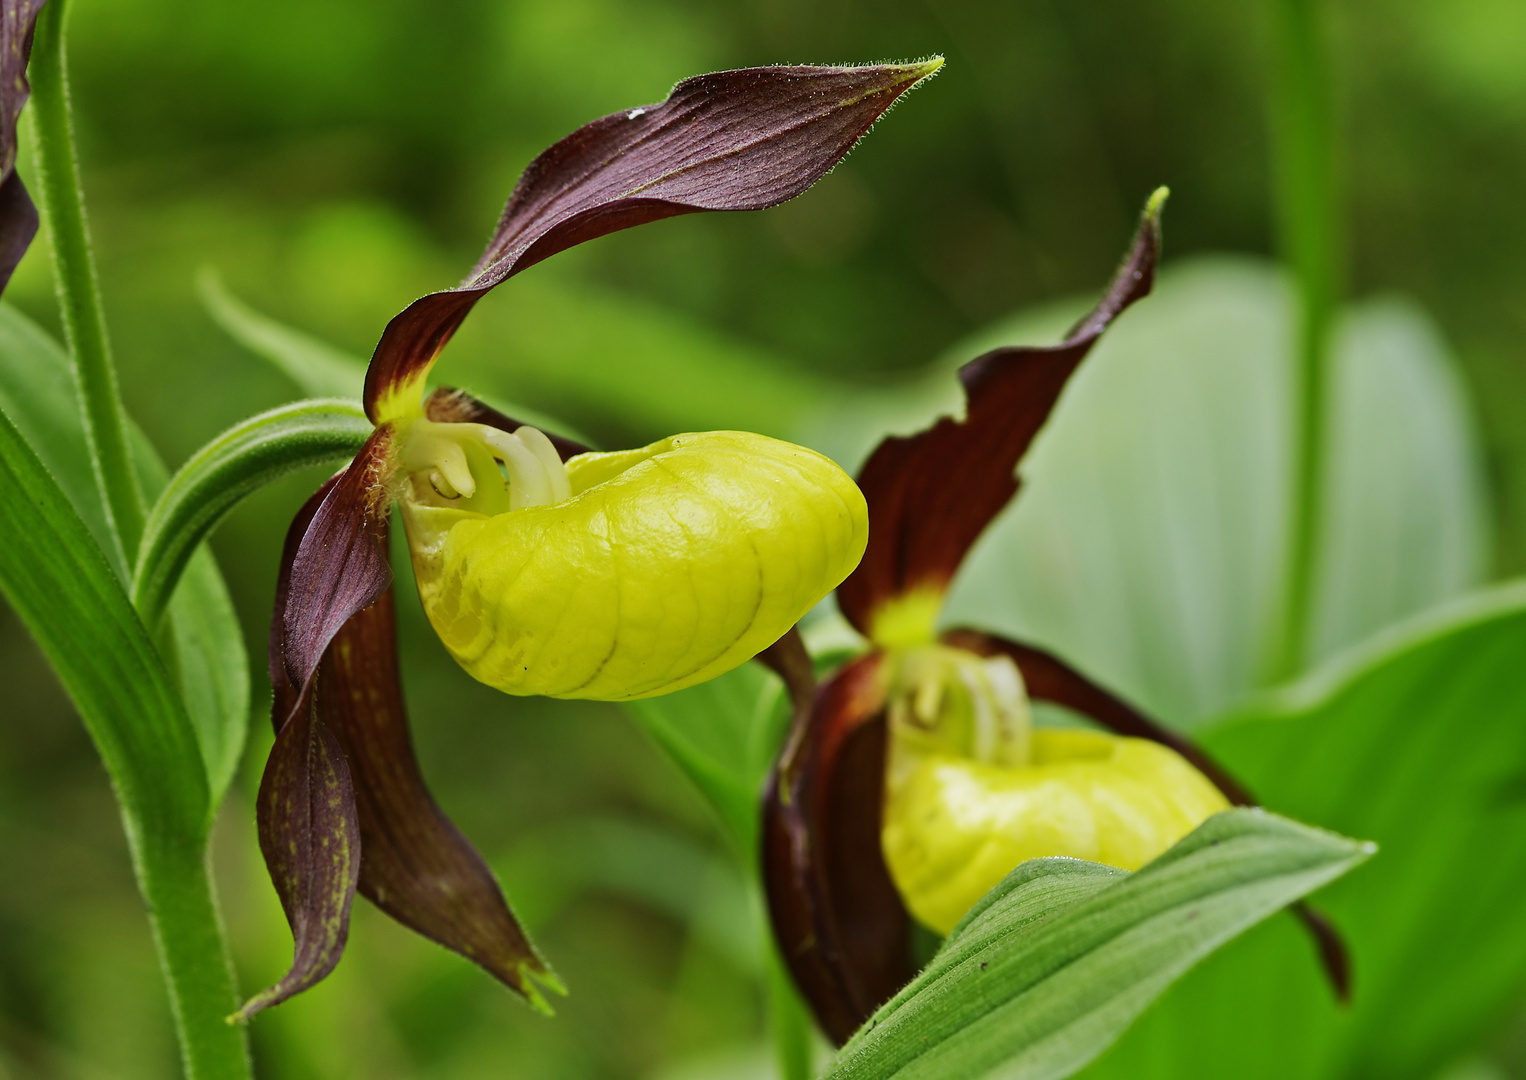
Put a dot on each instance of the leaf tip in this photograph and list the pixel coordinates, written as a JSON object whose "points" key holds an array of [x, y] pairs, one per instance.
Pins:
{"points": [[1156, 203]]}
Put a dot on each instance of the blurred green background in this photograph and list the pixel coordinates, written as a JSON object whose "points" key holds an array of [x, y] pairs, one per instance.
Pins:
{"points": [[333, 159]]}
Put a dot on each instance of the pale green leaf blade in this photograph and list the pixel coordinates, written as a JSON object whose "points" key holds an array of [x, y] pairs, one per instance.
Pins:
{"points": [[1416, 741], [1063, 955], [211, 667], [1405, 516], [723, 734]]}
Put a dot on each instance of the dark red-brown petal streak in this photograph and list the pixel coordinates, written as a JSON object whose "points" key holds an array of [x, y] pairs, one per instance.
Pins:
{"points": [[1048, 678], [836, 914], [18, 217], [415, 865], [450, 406], [334, 564], [932, 494], [733, 140]]}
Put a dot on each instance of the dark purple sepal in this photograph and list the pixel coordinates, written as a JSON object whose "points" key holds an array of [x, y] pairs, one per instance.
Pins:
{"points": [[450, 406], [931, 495], [837, 917], [18, 215], [310, 837], [415, 864], [733, 140], [338, 567], [1048, 678], [333, 564]]}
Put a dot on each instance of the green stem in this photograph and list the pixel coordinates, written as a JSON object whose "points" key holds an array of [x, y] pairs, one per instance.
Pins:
{"points": [[63, 210], [1309, 235], [175, 880]]}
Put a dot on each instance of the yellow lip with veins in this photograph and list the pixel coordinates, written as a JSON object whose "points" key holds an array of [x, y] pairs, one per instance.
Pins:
{"points": [[666, 566], [954, 827]]}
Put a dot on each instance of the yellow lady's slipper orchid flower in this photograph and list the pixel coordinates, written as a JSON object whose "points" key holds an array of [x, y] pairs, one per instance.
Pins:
{"points": [[914, 779], [546, 568]]}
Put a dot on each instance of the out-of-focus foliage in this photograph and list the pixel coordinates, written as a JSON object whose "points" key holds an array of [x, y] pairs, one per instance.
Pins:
{"points": [[333, 159]]}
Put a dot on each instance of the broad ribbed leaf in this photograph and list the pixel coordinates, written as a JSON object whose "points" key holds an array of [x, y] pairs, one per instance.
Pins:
{"points": [[733, 140], [1417, 742], [209, 662], [231, 467], [1059, 958], [932, 494], [18, 217], [416, 865]]}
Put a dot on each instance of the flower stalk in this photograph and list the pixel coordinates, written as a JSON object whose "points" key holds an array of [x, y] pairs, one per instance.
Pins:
{"points": [[79, 294]]}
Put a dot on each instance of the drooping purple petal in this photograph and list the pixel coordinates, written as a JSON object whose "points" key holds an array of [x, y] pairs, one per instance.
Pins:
{"points": [[415, 865], [450, 406], [1048, 678], [18, 217], [836, 914], [733, 140], [334, 563], [932, 494], [340, 564], [310, 837]]}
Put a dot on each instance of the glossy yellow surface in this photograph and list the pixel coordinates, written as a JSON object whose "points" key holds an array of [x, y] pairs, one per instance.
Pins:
{"points": [[668, 565], [955, 827]]}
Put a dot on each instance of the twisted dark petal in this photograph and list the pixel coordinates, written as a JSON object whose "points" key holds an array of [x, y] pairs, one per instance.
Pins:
{"points": [[837, 916], [18, 217], [310, 838], [334, 564], [734, 140], [416, 866], [932, 494], [340, 563], [449, 406], [1048, 678]]}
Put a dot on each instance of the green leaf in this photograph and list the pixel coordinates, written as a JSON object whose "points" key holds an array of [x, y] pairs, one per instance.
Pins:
{"points": [[1059, 958], [205, 641], [1416, 741], [211, 667], [723, 734], [318, 369], [231, 467], [55, 577], [1148, 542]]}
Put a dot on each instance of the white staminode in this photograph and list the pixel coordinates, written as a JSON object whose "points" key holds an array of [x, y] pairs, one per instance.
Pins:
{"points": [[536, 474]]}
